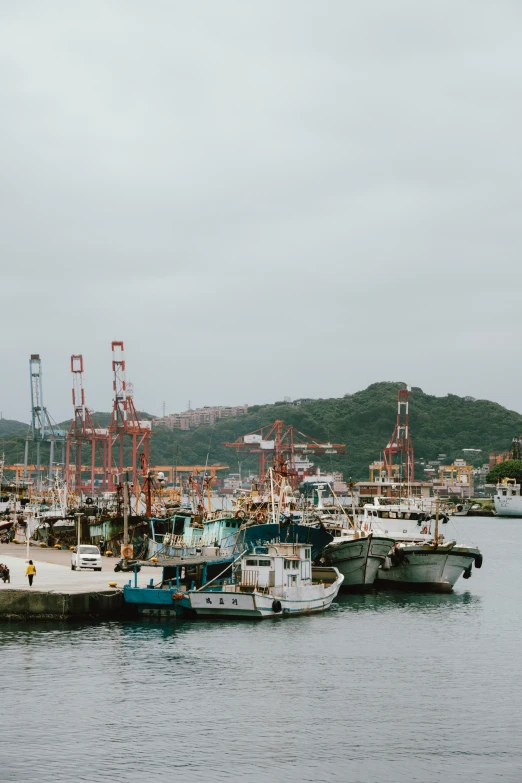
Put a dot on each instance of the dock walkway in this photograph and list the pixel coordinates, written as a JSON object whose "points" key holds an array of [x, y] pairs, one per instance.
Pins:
{"points": [[57, 591]]}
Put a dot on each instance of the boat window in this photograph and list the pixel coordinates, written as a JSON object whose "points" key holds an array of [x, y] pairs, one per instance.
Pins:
{"points": [[308, 553], [265, 562], [504, 491], [251, 562]]}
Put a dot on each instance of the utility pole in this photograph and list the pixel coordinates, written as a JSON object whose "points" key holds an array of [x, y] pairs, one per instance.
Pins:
{"points": [[79, 517], [126, 549]]}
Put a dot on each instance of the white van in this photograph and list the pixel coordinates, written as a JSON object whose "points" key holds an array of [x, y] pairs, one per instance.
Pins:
{"points": [[86, 556]]}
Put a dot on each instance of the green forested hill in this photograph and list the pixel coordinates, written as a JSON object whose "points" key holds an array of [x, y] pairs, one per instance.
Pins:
{"points": [[364, 421], [12, 427]]}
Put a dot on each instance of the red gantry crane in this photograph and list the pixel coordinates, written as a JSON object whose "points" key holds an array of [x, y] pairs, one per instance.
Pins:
{"points": [[125, 421], [282, 443], [84, 432], [400, 442]]}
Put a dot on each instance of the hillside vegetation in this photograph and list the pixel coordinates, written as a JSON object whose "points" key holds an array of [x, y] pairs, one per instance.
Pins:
{"points": [[364, 421]]}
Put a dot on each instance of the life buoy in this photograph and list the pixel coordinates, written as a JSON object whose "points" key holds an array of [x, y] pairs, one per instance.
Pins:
{"points": [[366, 526], [425, 530], [261, 516], [240, 513], [276, 606], [126, 551]]}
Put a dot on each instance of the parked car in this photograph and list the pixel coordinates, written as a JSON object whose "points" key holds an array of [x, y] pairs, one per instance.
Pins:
{"points": [[86, 556]]}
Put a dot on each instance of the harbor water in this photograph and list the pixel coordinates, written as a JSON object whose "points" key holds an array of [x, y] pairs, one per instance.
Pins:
{"points": [[384, 687]]}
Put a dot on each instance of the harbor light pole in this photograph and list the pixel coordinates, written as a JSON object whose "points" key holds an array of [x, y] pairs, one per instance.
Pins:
{"points": [[126, 549], [78, 517], [27, 536]]}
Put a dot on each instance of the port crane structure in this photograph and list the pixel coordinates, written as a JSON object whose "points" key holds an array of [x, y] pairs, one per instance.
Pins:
{"points": [[84, 432], [125, 424], [281, 444], [400, 443], [42, 428]]}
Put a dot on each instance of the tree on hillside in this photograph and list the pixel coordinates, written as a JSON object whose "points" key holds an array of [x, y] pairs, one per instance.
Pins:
{"points": [[511, 468]]}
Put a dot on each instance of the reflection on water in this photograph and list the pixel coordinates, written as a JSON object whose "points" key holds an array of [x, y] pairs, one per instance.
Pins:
{"points": [[385, 687], [390, 600]]}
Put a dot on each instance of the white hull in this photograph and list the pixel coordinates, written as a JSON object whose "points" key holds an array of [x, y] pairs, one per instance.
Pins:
{"points": [[425, 568], [508, 506], [358, 559], [277, 602]]}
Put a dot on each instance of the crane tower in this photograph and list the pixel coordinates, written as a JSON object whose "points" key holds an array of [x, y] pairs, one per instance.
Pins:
{"points": [[125, 423], [400, 442], [42, 429], [84, 432], [285, 445]]}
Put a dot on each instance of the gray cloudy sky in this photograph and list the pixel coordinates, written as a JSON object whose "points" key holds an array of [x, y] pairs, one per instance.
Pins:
{"points": [[287, 197]]}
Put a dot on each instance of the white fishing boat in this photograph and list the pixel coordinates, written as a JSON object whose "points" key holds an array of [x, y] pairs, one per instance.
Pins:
{"points": [[428, 565], [357, 552], [358, 556], [420, 510], [270, 581], [426, 561], [508, 501]]}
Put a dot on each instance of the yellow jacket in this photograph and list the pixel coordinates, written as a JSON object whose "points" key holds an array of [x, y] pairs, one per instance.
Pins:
{"points": [[31, 569]]}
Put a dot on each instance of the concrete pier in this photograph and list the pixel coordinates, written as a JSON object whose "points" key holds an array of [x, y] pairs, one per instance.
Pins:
{"points": [[57, 591]]}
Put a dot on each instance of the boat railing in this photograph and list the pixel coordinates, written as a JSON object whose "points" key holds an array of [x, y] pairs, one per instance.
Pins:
{"points": [[171, 540], [249, 578]]}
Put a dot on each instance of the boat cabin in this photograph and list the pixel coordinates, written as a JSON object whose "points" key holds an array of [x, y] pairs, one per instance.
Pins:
{"points": [[508, 488], [284, 565]]}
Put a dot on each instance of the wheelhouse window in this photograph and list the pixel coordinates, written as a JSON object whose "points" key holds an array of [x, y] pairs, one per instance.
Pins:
{"points": [[251, 562], [265, 562]]}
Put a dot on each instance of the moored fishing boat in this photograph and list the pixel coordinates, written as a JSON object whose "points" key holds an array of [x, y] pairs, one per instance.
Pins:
{"points": [[358, 556], [358, 553], [426, 561], [271, 581], [428, 565]]}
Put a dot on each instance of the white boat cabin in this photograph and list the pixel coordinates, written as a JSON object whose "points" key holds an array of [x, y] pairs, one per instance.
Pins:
{"points": [[507, 500], [284, 565], [508, 489]]}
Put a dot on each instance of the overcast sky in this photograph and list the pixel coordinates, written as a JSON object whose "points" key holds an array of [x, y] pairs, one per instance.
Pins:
{"points": [[262, 199]]}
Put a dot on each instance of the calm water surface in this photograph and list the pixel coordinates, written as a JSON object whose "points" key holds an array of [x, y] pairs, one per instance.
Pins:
{"points": [[385, 687]]}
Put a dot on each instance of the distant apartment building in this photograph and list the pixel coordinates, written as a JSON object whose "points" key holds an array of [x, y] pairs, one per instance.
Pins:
{"points": [[496, 457], [199, 416]]}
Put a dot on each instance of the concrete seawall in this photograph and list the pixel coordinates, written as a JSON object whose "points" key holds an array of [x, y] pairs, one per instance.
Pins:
{"points": [[58, 593], [38, 605]]}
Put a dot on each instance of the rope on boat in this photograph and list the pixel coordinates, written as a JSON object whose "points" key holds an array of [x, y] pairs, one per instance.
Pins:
{"points": [[222, 572]]}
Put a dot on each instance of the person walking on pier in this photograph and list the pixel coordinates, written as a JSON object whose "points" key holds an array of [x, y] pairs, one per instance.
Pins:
{"points": [[30, 572]]}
